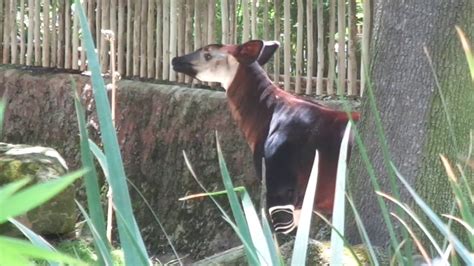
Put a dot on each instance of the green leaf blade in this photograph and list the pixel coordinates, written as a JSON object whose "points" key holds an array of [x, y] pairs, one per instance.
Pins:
{"points": [[35, 195], [302, 235]]}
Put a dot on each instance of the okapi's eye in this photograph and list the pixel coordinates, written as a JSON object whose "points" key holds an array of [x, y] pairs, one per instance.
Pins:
{"points": [[207, 56]]}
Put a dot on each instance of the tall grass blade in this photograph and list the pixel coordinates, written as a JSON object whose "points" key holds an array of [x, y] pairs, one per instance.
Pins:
{"points": [[443, 102], [271, 240], [363, 233], [302, 234], [18, 251], [100, 241], [338, 217], [346, 243], [249, 249], [35, 239], [90, 178], [119, 186], [418, 244], [143, 257], [465, 207], [233, 200], [100, 157], [9, 189], [417, 220], [155, 216], [375, 184], [256, 232], [31, 197], [443, 228], [466, 185], [466, 226], [467, 50]]}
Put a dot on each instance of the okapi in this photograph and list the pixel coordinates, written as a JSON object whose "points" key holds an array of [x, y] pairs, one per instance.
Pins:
{"points": [[282, 128]]}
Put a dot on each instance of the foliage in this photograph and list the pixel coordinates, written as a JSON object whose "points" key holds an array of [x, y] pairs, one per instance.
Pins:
{"points": [[15, 201]]}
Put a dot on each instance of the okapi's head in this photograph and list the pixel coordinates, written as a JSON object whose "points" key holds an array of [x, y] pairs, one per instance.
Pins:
{"points": [[219, 63]]}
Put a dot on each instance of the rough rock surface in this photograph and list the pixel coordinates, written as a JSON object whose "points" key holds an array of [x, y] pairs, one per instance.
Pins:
{"points": [[318, 253], [155, 124], [58, 215]]}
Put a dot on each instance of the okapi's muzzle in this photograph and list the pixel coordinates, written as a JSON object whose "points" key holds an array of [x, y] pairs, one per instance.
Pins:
{"points": [[183, 64]]}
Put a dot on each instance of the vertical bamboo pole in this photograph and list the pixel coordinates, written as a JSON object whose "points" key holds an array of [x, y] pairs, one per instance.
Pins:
{"points": [[136, 38], [266, 24], [67, 33], [143, 35], [341, 46], [197, 24], [2, 24], [173, 36], [91, 16], [225, 21], [211, 26], [75, 42], [128, 46], [121, 38], [166, 39], [299, 46], [98, 24], [6, 33], [352, 65], [331, 44], [232, 38], [254, 18], [22, 31], [46, 35], [321, 38], [150, 48], [309, 34], [276, 36], [31, 25], [60, 43], [37, 36], [159, 40], [211, 23], [14, 46], [105, 21], [287, 45], [181, 32], [113, 27], [245, 21], [366, 32], [197, 27], [81, 41], [188, 38], [204, 20], [54, 36]]}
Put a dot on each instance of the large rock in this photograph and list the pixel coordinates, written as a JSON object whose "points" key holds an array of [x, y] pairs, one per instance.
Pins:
{"points": [[40, 164], [155, 124]]}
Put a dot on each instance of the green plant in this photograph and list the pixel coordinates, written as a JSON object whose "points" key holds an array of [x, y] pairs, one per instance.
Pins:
{"points": [[15, 201]]}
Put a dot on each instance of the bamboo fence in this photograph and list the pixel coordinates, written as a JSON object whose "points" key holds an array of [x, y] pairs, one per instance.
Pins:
{"points": [[323, 41]]}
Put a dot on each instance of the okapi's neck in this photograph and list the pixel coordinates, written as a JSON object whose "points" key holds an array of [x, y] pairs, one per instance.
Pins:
{"points": [[251, 100]]}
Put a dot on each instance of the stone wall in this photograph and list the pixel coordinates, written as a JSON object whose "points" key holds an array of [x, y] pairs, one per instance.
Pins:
{"points": [[155, 124]]}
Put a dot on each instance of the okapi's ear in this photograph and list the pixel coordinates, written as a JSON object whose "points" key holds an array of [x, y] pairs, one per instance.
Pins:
{"points": [[249, 52], [269, 48]]}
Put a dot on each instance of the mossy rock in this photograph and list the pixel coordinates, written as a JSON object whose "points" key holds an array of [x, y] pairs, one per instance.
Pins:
{"points": [[40, 164]]}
